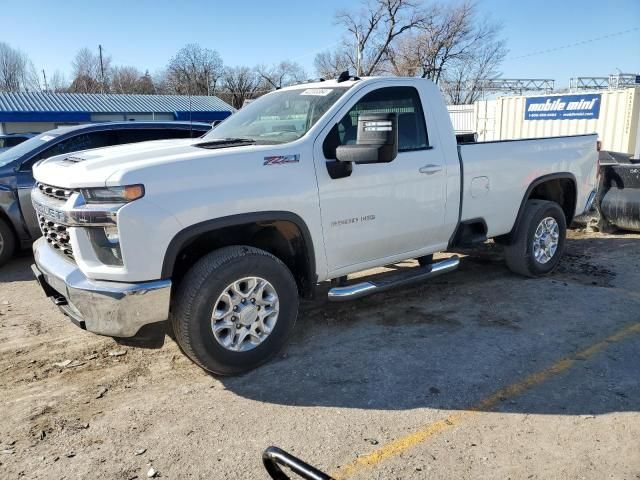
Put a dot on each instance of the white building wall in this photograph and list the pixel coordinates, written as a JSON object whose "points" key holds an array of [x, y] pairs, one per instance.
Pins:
{"points": [[31, 127]]}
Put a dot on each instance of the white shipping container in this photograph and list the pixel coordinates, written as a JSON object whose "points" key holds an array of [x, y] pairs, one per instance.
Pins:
{"points": [[463, 118], [485, 119], [617, 124]]}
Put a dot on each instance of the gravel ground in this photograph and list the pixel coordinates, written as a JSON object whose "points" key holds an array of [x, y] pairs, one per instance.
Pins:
{"points": [[477, 374]]}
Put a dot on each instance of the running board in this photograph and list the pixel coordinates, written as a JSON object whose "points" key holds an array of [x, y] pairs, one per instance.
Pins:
{"points": [[359, 290]]}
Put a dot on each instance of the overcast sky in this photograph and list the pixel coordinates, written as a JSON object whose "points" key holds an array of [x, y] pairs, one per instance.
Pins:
{"points": [[147, 33]]}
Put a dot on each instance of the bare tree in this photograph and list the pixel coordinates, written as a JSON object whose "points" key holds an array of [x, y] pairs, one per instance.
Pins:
{"points": [[282, 74], [88, 74], [331, 64], [146, 84], [442, 42], [371, 34], [194, 70], [240, 84], [17, 72], [58, 83], [454, 46], [125, 79], [463, 82]]}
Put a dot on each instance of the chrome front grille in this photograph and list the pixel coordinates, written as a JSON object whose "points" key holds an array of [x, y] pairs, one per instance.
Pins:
{"points": [[56, 235], [55, 192]]}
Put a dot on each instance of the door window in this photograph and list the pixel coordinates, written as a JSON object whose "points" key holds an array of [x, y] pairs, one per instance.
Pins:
{"points": [[403, 101]]}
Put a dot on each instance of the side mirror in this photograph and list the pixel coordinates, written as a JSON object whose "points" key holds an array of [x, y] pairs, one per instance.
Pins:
{"points": [[377, 140]]}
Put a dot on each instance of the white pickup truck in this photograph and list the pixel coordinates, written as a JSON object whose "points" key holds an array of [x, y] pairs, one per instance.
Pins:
{"points": [[222, 234]]}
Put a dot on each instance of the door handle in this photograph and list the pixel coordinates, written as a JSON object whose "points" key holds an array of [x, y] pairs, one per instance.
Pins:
{"points": [[430, 169]]}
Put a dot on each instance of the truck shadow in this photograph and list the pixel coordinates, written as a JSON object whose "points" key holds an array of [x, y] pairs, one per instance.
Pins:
{"points": [[453, 341], [17, 269]]}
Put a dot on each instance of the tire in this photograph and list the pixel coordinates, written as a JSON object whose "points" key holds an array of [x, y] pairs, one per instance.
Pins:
{"points": [[425, 260], [7, 242], [201, 291], [520, 255]]}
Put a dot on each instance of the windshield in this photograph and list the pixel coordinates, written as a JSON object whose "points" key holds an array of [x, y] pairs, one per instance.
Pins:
{"points": [[279, 117], [25, 147]]}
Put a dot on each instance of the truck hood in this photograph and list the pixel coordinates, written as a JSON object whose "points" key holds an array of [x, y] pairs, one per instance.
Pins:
{"points": [[93, 168]]}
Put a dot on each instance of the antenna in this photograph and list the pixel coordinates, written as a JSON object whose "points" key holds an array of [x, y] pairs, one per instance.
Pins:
{"points": [[358, 54], [101, 70], [46, 87], [190, 110]]}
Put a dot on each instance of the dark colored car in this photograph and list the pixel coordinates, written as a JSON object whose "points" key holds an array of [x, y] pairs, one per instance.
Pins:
{"points": [[9, 140], [18, 224]]}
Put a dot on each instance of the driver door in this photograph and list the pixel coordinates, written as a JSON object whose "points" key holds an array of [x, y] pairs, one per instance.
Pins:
{"points": [[386, 209]]}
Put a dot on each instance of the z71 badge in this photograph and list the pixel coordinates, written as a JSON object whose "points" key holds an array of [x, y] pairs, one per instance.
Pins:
{"points": [[281, 159]]}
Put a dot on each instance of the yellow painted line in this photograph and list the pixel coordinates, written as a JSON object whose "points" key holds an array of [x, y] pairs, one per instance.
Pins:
{"points": [[404, 443]]}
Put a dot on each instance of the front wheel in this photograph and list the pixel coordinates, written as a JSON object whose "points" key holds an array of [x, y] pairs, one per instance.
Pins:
{"points": [[538, 244], [235, 309]]}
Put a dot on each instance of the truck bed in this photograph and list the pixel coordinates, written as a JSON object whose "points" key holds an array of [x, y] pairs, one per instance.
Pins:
{"points": [[496, 175]]}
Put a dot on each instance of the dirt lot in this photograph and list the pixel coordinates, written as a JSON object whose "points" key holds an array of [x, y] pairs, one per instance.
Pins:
{"points": [[478, 374]]}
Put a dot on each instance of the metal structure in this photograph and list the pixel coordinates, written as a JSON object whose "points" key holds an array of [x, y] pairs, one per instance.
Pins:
{"points": [[612, 82], [513, 86], [518, 85]]}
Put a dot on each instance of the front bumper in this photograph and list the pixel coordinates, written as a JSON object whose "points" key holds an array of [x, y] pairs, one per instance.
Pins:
{"points": [[114, 309]]}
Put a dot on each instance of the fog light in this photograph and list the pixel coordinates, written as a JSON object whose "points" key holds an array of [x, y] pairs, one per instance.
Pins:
{"points": [[112, 234], [106, 245]]}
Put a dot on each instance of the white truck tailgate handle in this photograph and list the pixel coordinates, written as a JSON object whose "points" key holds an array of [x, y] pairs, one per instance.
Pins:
{"points": [[430, 169]]}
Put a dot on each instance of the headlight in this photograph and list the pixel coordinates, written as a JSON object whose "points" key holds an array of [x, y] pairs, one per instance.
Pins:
{"points": [[124, 194]]}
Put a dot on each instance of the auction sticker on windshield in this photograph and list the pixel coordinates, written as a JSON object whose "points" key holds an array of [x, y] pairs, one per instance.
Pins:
{"points": [[318, 92]]}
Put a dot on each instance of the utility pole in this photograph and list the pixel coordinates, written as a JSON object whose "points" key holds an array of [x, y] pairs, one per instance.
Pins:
{"points": [[101, 70], [46, 87], [358, 55]]}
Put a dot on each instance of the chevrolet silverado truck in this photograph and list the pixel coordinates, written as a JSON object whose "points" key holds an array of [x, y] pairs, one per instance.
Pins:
{"points": [[223, 234]]}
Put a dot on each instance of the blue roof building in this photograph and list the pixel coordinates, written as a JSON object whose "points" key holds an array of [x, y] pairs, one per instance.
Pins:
{"points": [[41, 111]]}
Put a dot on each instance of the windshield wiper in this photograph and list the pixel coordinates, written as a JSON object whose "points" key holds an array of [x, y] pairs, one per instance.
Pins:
{"points": [[225, 142]]}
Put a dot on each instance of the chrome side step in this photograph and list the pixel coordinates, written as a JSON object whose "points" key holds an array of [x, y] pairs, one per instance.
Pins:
{"points": [[359, 290]]}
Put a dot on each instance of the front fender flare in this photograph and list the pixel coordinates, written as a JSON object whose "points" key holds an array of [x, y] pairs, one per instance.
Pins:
{"points": [[188, 234]]}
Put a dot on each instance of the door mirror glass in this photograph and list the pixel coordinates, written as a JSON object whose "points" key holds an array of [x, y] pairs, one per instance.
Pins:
{"points": [[376, 140]]}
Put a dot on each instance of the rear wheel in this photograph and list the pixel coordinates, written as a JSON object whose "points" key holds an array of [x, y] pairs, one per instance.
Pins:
{"points": [[539, 242], [7, 242], [235, 309]]}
